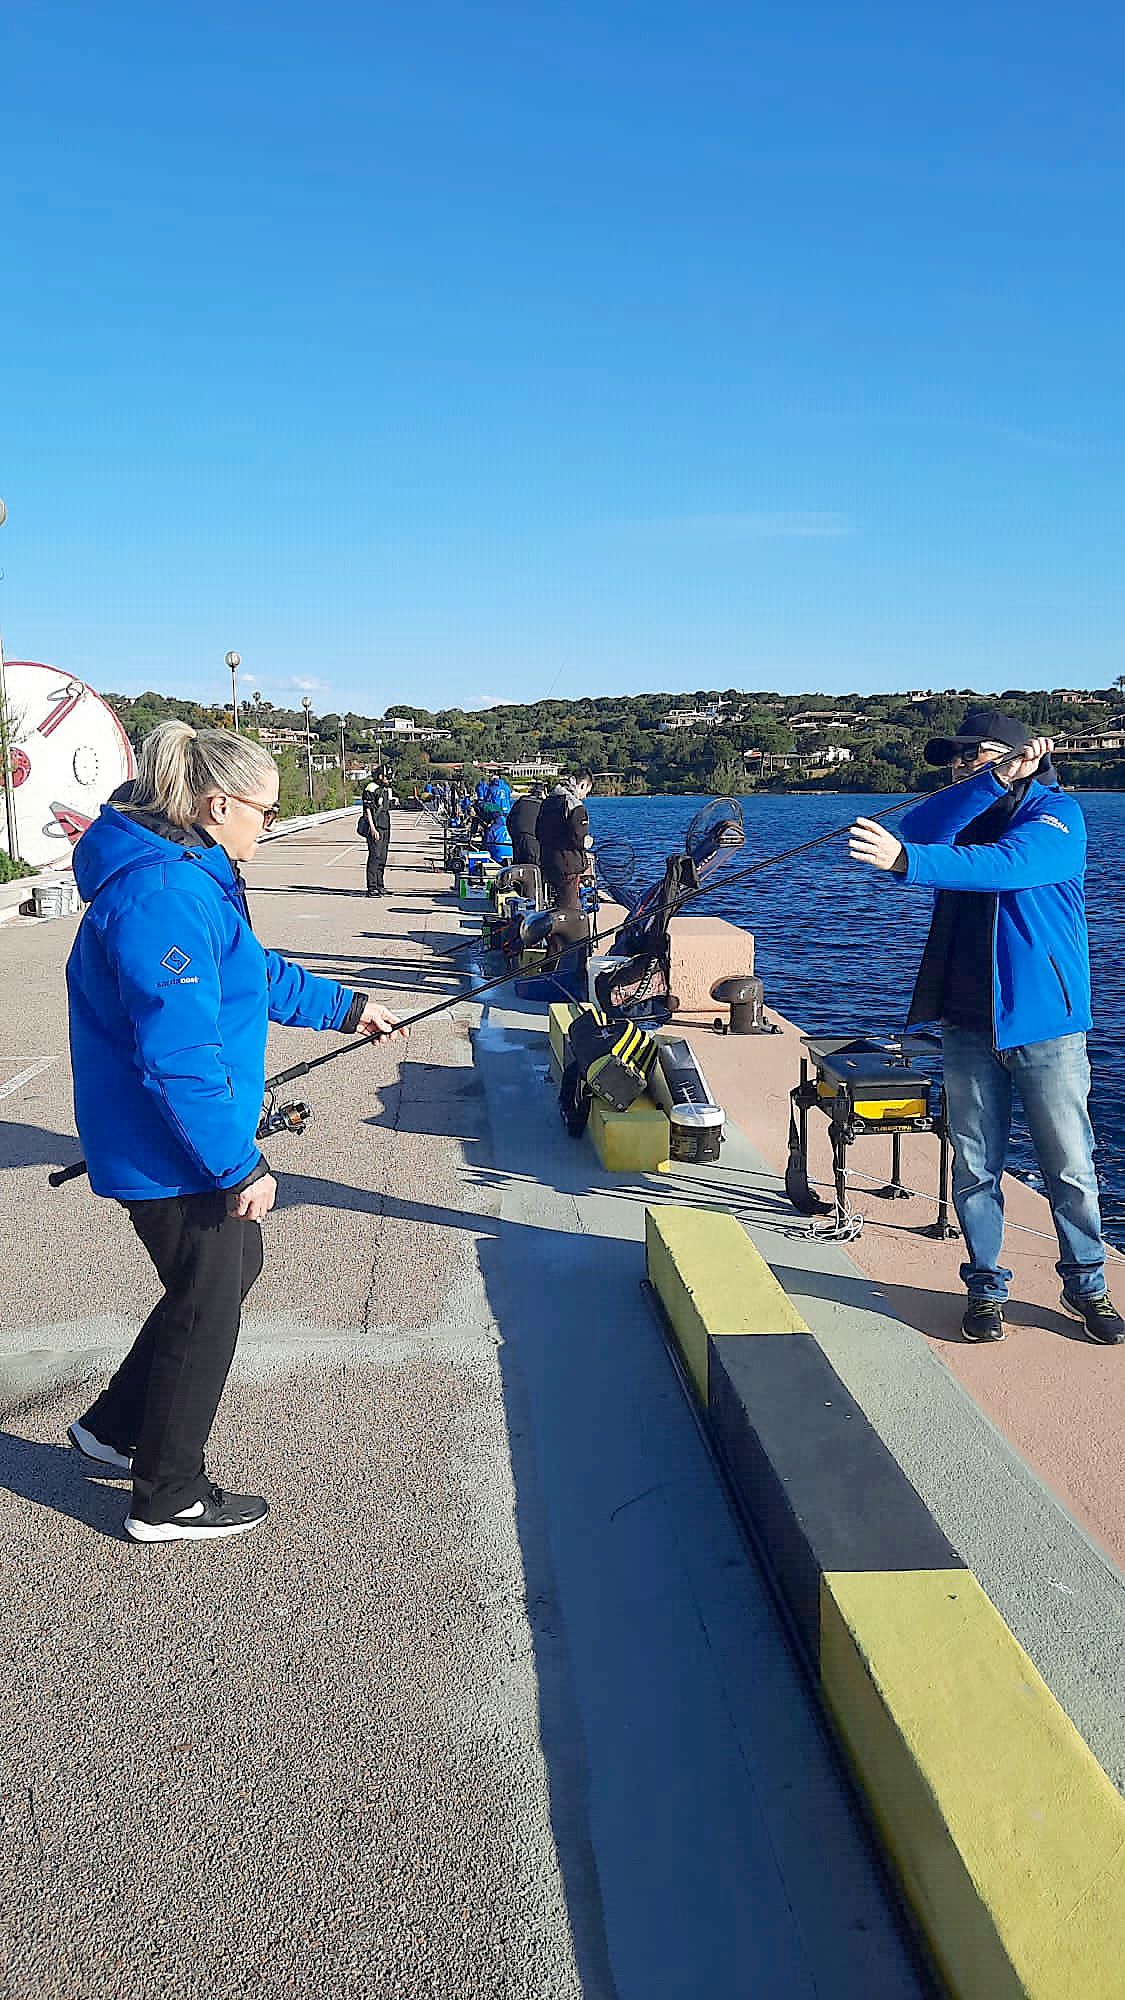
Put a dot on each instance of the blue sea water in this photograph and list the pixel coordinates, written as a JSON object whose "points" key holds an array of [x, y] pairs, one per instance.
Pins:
{"points": [[838, 946]]}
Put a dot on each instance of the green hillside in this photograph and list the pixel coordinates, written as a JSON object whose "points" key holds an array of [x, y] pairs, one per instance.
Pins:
{"points": [[709, 740]]}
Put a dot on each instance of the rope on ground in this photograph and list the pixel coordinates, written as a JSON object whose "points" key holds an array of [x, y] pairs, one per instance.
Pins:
{"points": [[846, 1224], [924, 1194]]}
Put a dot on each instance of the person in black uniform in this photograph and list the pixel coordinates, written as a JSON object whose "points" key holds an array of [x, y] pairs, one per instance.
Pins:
{"points": [[521, 825], [563, 832], [375, 826]]}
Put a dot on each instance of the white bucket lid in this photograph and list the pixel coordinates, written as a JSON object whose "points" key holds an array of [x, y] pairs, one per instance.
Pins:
{"points": [[695, 1117]]}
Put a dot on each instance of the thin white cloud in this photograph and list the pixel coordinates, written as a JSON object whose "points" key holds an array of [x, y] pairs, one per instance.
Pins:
{"points": [[1037, 440], [691, 531], [283, 694]]}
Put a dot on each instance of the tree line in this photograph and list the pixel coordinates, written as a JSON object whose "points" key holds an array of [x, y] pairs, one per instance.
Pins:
{"points": [[620, 739]]}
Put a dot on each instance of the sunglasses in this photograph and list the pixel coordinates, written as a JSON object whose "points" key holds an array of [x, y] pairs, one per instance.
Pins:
{"points": [[967, 754], [269, 813]]}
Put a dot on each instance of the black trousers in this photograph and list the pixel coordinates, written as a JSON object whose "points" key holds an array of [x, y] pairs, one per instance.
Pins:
{"points": [[565, 888], [161, 1403], [376, 862]]}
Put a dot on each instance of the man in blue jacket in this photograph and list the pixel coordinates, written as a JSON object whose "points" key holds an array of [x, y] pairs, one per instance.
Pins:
{"points": [[1006, 970]]}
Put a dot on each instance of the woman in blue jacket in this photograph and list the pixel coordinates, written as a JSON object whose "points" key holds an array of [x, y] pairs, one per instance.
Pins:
{"points": [[170, 997], [1006, 970]]}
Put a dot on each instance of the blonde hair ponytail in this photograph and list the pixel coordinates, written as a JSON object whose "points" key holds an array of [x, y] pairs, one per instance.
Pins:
{"points": [[179, 765]]}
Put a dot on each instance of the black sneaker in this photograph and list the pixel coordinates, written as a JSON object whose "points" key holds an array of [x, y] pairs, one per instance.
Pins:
{"points": [[1101, 1320], [218, 1513], [984, 1320], [91, 1447]]}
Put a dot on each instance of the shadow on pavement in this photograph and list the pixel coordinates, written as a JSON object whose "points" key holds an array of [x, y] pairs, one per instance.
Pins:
{"points": [[52, 1475], [610, 1497], [256, 889], [386, 967], [31, 1146], [308, 1191]]}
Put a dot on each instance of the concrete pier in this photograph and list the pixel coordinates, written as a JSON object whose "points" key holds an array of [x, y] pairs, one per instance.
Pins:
{"points": [[496, 1704]]}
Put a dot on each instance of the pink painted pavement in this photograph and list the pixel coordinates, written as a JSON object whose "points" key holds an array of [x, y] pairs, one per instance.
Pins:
{"points": [[1058, 1398]]}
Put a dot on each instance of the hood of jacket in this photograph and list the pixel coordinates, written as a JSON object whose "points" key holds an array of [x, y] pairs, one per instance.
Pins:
{"points": [[119, 842]]}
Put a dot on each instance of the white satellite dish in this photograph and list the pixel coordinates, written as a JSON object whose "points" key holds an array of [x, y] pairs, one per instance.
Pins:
{"points": [[68, 753]]}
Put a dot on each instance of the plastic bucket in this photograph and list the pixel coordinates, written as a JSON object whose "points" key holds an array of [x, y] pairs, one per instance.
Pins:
{"points": [[55, 899]]}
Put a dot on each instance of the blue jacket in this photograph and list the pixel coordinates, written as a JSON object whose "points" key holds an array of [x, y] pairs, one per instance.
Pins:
{"points": [[170, 995], [494, 797], [1036, 871]]}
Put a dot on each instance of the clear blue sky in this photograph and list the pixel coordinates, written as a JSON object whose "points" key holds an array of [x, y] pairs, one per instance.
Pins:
{"points": [[451, 352]]}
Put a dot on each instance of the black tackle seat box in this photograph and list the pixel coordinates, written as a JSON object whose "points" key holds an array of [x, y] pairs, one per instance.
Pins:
{"points": [[879, 1093]]}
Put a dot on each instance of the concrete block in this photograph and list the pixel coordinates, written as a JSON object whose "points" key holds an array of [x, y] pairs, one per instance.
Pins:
{"points": [[704, 949], [822, 1489], [560, 1014], [1004, 1830], [629, 1142], [711, 1281]]}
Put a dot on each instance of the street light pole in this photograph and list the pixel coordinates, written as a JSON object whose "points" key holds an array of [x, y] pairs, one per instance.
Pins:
{"points": [[5, 746], [306, 704], [234, 661]]}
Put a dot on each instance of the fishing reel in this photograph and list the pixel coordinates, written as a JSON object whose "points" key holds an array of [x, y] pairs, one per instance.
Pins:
{"points": [[282, 1117]]}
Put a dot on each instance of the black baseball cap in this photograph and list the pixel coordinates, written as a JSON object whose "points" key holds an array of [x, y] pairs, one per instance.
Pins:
{"points": [[978, 725]]}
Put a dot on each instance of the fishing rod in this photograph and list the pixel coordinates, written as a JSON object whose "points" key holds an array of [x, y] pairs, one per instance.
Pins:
{"points": [[727, 881], [295, 1117], [738, 875]]}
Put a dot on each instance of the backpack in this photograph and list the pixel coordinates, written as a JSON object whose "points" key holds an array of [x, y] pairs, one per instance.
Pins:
{"points": [[612, 1059]]}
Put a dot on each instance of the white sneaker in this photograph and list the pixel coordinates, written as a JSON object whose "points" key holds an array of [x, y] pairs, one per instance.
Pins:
{"points": [[92, 1448], [218, 1513]]}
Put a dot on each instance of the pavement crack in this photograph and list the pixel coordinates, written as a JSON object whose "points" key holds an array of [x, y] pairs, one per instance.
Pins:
{"points": [[643, 1495]]}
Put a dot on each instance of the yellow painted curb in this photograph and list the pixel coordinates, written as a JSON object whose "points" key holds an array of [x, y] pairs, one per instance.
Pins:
{"points": [[1005, 1831], [560, 1014], [711, 1280]]}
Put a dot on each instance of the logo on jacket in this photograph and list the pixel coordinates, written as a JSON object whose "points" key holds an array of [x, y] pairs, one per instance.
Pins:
{"points": [[175, 960], [1048, 819]]}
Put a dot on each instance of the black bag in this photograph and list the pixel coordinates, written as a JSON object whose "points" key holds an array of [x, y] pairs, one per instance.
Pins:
{"points": [[574, 1100], [615, 1057]]}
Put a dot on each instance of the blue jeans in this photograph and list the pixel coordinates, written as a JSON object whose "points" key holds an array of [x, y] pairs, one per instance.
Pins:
{"points": [[1053, 1080]]}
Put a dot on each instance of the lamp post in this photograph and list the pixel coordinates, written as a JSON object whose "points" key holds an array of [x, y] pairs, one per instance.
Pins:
{"points": [[234, 661], [5, 747], [306, 704]]}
